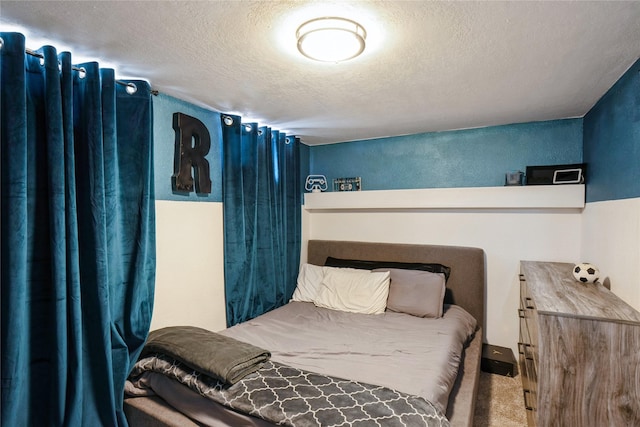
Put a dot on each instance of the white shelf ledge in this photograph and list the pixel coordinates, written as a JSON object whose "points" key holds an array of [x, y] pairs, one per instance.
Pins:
{"points": [[567, 196]]}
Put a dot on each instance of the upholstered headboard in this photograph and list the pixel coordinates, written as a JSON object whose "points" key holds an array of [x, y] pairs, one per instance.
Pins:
{"points": [[466, 284]]}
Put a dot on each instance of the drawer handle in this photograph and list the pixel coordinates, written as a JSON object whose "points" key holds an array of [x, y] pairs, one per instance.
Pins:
{"points": [[529, 306], [521, 278], [527, 406], [521, 313]]}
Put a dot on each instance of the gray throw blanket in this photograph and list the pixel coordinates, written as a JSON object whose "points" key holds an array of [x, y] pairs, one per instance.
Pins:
{"points": [[215, 355]]}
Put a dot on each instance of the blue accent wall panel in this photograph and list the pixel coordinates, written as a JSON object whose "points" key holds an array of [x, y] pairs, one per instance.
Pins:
{"points": [[463, 158], [612, 141], [164, 148]]}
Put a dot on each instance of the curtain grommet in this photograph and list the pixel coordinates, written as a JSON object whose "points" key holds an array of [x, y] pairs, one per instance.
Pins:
{"points": [[131, 88]]}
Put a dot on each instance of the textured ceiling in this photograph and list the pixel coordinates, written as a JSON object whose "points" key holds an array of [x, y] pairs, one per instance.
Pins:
{"points": [[428, 66]]}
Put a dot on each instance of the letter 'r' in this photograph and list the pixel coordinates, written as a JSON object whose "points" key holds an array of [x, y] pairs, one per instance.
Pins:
{"points": [[190, 155]]}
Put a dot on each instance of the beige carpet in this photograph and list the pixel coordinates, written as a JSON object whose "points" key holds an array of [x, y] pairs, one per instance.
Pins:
{"points": [[500, 402]]}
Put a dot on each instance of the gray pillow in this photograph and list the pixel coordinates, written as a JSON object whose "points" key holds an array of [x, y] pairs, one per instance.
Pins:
{"points": [[415, 292]]}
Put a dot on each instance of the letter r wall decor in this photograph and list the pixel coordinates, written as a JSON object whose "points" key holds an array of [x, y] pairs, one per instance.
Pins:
{"points": [[192, 144]]}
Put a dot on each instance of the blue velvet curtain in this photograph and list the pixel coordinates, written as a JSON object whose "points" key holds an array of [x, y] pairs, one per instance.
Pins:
{"points": [[78, 237], [262, 218]]}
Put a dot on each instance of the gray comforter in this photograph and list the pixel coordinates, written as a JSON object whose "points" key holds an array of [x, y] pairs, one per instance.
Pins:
{"points": [[415, 358], [415, 355]]}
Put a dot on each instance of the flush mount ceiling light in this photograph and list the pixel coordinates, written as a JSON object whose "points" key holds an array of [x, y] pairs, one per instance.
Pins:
{"points": [[331, 39]]}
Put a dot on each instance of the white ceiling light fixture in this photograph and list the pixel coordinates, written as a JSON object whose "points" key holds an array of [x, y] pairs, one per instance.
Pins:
{"points": [[331, 39]]}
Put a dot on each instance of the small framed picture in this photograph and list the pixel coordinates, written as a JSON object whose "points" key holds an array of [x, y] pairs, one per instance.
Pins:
{"points": [[347, 184]]}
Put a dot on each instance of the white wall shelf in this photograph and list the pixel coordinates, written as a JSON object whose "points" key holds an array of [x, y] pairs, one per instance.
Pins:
{"points": [[568, 196]]}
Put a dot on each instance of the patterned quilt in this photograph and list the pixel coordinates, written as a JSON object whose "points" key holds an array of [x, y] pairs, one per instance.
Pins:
{"points": [[287, 396]]}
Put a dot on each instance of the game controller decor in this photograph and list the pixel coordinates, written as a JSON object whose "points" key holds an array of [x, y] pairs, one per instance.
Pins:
{"points": [[316, 183]]}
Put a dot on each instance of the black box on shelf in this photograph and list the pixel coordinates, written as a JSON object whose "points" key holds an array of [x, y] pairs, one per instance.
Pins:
{"points": [[556, 174], [498, 360]]}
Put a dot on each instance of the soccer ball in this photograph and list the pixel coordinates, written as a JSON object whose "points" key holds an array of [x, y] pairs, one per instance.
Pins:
{"points": [[586, 273]]}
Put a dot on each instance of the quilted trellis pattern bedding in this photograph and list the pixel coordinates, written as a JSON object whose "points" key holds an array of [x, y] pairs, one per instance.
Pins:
{"points": [[292, 397]]}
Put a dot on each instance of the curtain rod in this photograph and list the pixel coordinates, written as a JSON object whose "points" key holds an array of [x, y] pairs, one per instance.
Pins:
{"points": [[131, 87]]}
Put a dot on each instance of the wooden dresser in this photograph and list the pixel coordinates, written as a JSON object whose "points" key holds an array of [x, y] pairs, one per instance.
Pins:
{"points": [[579, 350]]}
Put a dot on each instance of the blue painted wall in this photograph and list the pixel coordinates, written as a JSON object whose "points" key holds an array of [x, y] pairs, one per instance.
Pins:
{"points": [[305, 163], [164, 145], [612, 141], [608, 139], [463, 158]]}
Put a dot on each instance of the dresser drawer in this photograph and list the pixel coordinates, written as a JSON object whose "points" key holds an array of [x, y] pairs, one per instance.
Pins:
{"points": [[529, 382], [532, 372], [530, 317]]}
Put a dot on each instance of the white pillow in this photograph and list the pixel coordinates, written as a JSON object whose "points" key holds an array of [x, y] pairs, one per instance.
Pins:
{"points": [[356, 291], [309, 280]]}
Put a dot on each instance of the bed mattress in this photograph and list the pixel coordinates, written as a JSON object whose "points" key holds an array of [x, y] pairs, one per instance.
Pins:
{"points": [[417, 356]]}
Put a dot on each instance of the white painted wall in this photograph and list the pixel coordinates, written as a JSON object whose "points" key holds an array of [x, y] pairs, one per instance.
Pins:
{"points": [[507, 236], [189, 265], [611, 241], [190, 260]]}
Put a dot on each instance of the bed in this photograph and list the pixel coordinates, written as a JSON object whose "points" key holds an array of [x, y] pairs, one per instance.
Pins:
{"points": [[321, 352]]}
